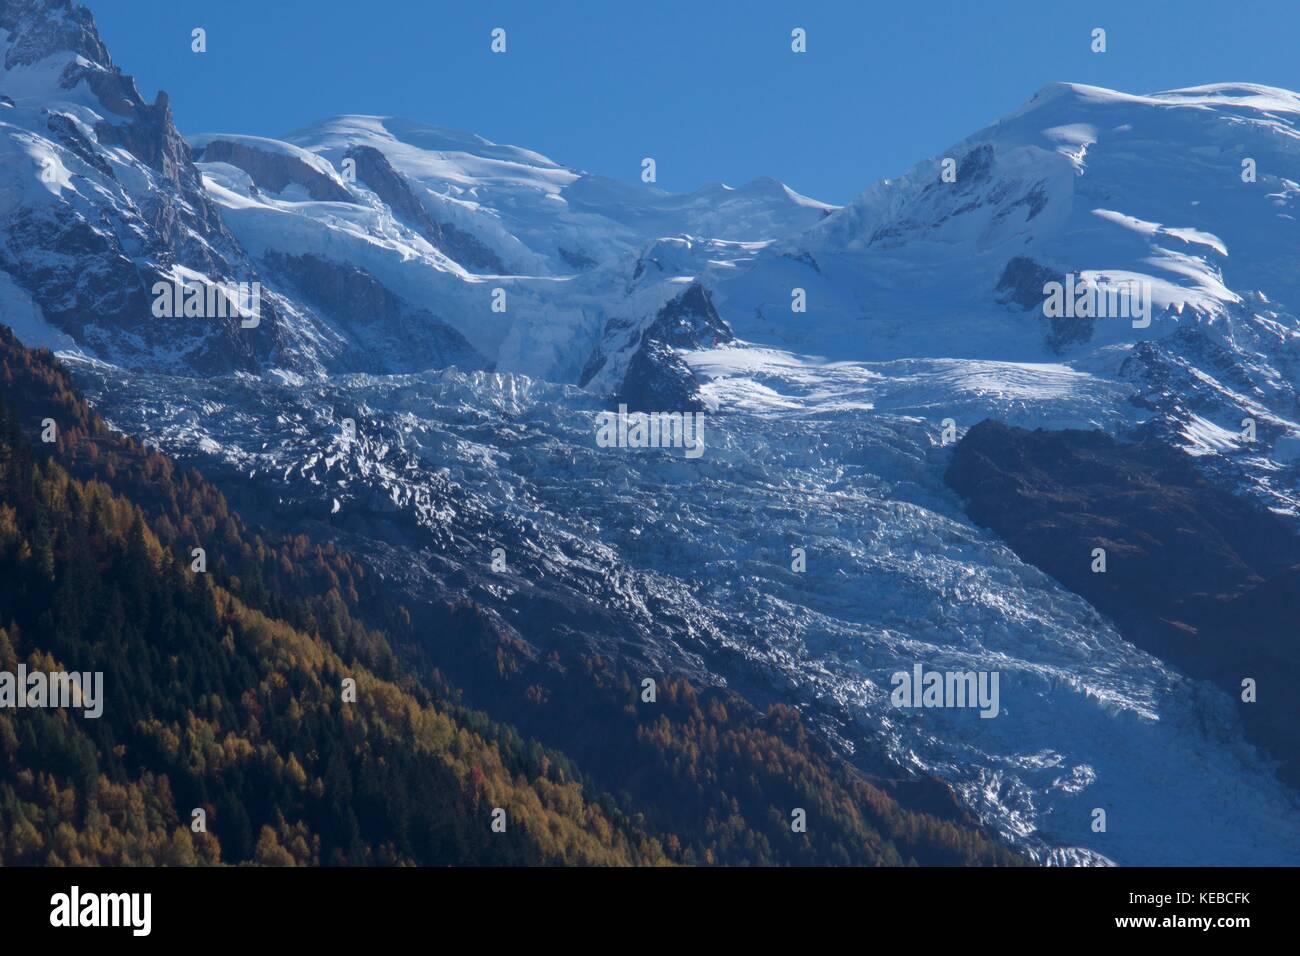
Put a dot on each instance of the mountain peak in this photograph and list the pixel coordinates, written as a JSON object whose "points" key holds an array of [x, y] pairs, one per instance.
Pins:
{"points": [[51, 48], [41, 28]]}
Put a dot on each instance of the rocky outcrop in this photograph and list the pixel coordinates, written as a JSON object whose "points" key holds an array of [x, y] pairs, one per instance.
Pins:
{"points": [[274, 171], [39, 28], [690, 321], [151, 136], [576, 259], [656, 378], [67, 132], [374, 169], [1022, 285], [90, 258]]}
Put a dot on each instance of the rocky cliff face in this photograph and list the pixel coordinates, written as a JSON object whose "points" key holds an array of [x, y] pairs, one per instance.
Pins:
{"points": [[275, 171], [641, 360], [102, 201], [41, 28]]}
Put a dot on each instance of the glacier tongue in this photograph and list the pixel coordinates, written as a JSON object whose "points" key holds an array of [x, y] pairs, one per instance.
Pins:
{"points": [[694, 558]]}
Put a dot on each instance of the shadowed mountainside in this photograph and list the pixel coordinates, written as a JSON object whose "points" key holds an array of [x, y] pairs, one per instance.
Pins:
{"points": [[1203, 579]]}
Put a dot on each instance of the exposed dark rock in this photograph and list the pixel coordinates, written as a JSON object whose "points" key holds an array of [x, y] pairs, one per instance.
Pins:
{"points": [[804, 257], [657, 379], [1207, 581], [690, 321], [1168, 363], [972, 189], [151, 136], [39, 28], [595, 362], [93, 279], [614, 327], [577, 260], [117, 91], [70, 135], [375, 171], [973, 169], [976, 166], [274, 171], [1022, 283], [466, 249], [101, 297]]}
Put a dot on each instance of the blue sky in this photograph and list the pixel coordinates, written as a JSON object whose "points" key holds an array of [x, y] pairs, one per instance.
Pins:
{"points": [[709, 88]]}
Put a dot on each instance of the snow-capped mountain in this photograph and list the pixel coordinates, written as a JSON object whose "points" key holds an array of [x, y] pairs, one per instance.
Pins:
{"points": [[99, 202], [472, 308], [1191, 195], [444, 219], [541, 218]]}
